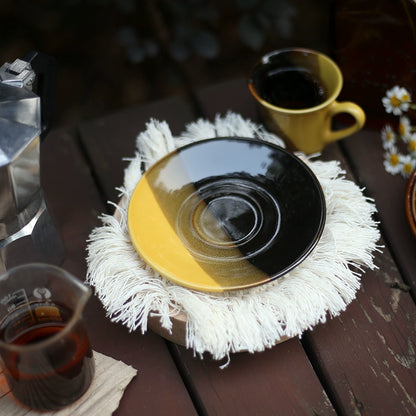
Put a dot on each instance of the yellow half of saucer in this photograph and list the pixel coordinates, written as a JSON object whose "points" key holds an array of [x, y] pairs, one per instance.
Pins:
{"points": [[173, 231], [226, 213], [167, 246]]}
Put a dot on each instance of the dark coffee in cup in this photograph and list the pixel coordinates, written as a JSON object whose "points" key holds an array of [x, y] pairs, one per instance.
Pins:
{"points": [[292, 88], [296, 90]]}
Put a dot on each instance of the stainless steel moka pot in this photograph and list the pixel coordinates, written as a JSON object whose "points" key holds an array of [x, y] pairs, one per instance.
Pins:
{"points": [[27, 232]]}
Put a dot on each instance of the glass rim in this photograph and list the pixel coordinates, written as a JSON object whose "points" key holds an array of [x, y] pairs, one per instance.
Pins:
{"points": [[76, 313]]}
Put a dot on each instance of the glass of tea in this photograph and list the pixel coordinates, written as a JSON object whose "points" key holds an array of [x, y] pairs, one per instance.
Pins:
{"points": [[296, 91], [44, 348]]}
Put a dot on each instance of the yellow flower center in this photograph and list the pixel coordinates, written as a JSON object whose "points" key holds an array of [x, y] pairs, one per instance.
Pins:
{"points": [[402, 129], [412, 146], [389, 136], [405, 98], [394, 159], [394, 101], [407, 168]]}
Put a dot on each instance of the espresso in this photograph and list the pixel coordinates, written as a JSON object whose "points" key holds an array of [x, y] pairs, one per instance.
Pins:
{"points": [[292, 88]]}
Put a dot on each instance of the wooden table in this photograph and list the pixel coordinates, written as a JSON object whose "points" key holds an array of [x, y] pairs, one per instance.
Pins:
{"points": [[361, 363]]}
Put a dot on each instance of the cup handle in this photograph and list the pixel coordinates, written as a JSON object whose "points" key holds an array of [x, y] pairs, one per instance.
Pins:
{"points": [[345, 107]]}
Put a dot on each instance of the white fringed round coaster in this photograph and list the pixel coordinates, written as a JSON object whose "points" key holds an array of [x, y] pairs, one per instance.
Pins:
{"points": [[252, 319]]}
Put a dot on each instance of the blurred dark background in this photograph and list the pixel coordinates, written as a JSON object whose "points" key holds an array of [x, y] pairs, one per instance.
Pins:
{"points": [[118, 53]]}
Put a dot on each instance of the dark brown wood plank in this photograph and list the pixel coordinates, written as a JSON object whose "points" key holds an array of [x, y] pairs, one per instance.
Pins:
{"points": [[103, 134], [367, 354], [232, 95], [75, 203], [350, 378], [367, 350], [111, 139], [283, 378], [366, 154], [278, 381]]}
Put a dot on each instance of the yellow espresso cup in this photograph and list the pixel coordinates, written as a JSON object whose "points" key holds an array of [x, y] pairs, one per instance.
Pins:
{"points": [[296, 90]]}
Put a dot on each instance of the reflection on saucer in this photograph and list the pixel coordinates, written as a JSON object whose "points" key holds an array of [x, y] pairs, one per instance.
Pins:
{"points": [[226, 213]]}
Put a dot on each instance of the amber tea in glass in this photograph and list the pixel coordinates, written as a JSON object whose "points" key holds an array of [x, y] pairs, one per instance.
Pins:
{"points": [[44, 346]]}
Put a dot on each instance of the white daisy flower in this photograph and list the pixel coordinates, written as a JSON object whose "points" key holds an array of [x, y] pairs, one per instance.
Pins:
{"points": [[392, 161], [397, 100], [407, 164], [411, 144], [388, 137], [405, 129]]}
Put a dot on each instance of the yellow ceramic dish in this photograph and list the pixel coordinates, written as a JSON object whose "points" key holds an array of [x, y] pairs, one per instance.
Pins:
{"points": [[226, 214]]}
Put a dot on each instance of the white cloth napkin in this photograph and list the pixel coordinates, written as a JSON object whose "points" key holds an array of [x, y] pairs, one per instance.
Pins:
{"points": [[102, 398]]}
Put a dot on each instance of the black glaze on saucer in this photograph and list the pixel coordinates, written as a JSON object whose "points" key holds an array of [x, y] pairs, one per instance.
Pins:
{"points": [[237, 195]]}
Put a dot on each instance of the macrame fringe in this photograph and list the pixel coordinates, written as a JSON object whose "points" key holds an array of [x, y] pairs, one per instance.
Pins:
{"points": [[254, 319]]}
